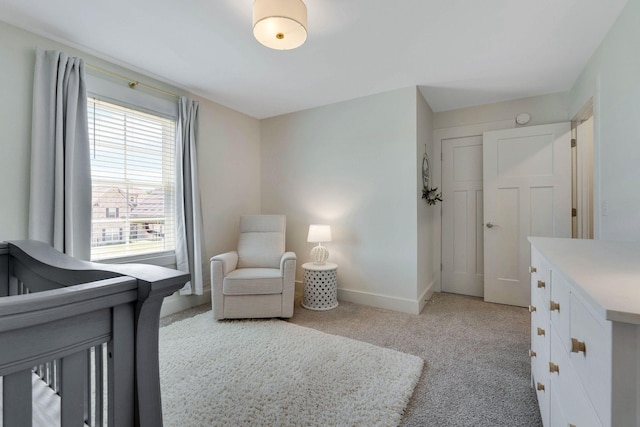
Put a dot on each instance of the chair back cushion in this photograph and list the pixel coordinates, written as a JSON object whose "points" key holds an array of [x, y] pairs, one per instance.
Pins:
{"points": [[262, 240]]}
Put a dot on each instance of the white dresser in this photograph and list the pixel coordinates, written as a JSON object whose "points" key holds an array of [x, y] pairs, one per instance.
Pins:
{"points": [[585, 331]]}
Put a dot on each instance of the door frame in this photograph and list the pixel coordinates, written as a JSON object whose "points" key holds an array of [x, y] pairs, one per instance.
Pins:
{"points": [[440, 136], [588, 111]]}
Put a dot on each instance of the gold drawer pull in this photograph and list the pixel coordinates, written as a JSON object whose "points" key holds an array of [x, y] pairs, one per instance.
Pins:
{"points": [[532, 269], [532, 353], [540, 331], [578, 346], [532, 308], [554, 368], [540, 387], [554, 306], [540, 284]]}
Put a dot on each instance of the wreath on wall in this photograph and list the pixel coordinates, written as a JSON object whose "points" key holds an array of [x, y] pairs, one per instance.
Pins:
{"points": [[431, 195]]}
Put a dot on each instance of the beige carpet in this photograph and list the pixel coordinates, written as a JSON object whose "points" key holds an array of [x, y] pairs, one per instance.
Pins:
{"points": [[274, 373], [476, 364]]}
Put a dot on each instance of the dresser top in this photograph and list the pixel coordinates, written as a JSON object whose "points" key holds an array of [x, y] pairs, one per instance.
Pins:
{"points": [[606, 273]]}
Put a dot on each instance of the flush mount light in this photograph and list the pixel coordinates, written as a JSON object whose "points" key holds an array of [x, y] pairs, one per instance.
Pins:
{"points": [[280, 24]]}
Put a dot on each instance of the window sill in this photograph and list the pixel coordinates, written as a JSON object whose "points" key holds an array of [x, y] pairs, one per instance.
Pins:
{"points": [[163, 259]]}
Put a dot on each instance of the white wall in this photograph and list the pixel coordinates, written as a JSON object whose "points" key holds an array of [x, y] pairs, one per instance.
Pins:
{"points": [[612, 78], [544, 109], [229, 147], [427, 215], [351, 165]]}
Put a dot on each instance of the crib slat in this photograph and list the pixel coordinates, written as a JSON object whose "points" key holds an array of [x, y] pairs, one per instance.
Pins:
{"points": [[99, 385], [72, 389], [88, 415], [56, 376], [16, 399], [13, 286]]}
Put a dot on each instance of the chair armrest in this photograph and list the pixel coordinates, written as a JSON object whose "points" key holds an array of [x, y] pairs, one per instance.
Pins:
{"points": [[288, 270], [286, 257], [229, 261]]}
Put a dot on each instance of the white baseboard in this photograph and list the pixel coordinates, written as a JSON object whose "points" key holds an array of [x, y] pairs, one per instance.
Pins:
{"points": [[426, 295], [176, 302], [299, 292], [381, 301]]}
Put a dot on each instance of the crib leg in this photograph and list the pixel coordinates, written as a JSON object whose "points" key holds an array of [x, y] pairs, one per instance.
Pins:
{"points": [[16, 399], [120, 351]]}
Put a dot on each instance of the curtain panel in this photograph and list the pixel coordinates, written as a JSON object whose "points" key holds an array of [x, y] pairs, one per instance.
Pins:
{"points": [[60, 196], [189, 234]]}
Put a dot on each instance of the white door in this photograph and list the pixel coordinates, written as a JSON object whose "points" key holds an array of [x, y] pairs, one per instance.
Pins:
{"points": [[527, 192], [462, 242]]}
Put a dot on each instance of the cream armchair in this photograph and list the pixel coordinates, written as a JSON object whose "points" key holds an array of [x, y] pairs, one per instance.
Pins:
{"points": [[257, 280]]}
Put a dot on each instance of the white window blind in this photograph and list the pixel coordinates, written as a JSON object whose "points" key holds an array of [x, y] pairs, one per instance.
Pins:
{"points": [[133, 179]]}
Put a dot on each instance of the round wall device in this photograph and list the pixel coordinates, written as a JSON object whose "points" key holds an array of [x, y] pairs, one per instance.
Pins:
{"points": [[523, 118]]}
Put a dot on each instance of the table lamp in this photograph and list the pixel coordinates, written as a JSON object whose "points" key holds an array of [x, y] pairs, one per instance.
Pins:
{"points": [[318, 234]]}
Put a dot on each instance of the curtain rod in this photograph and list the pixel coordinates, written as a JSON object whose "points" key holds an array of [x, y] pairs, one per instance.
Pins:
{"points": [[132, 83]]}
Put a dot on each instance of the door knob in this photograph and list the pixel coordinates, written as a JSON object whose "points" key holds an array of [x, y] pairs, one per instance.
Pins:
{"points": [[490, 225]]}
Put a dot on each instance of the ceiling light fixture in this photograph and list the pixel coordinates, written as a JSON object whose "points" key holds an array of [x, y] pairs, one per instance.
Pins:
{"points": [[280, 24]]}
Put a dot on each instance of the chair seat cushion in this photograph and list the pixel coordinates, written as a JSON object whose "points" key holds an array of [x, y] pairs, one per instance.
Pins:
{"points": [[253, 281]]}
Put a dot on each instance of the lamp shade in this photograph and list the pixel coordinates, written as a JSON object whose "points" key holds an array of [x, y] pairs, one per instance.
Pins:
{"points": [[319, 233], [280, 24]]}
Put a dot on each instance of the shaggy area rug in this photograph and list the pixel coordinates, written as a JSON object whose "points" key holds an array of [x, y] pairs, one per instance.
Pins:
{"points": [[273, 373]]}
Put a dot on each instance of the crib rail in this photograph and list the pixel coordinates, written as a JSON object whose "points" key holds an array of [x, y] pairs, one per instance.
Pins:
{"points": [[88, 332]]}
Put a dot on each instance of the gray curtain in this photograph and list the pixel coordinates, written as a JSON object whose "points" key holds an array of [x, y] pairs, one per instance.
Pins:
{"points": [[189, 244], [60, 199]]}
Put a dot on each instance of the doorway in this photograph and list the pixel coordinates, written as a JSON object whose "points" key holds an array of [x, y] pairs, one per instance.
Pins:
{"points": [[463, 229], [582, 158]]}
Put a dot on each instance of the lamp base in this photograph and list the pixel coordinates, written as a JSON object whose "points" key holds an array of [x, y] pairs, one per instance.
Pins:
{"points": [[319, 255]]}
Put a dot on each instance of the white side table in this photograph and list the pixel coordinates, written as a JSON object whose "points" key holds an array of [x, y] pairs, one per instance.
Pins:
{"points": [[320, 286]]}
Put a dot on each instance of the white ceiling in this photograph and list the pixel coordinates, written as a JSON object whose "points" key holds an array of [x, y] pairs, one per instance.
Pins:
{"points": [[459, 52]]}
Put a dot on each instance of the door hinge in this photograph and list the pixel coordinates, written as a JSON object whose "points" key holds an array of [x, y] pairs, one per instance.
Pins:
{"points": [[574, 212], [440, 266], [574, 142]]}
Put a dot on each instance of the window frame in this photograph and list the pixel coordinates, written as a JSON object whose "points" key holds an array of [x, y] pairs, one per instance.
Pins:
{"points": [[122, 95]]}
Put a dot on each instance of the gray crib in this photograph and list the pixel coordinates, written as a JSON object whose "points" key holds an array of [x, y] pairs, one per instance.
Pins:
{"points": [[79, 340]]}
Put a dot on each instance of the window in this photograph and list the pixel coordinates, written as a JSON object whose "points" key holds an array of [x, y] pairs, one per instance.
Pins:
{"points": [[133, 178], [112, 213]]}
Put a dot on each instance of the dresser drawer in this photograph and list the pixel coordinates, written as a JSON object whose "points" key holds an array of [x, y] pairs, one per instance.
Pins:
{"points": [[539, 329], [559, 307], [593, 365], [570, 404], [556, 414], [540, 275], [540, 371]]}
